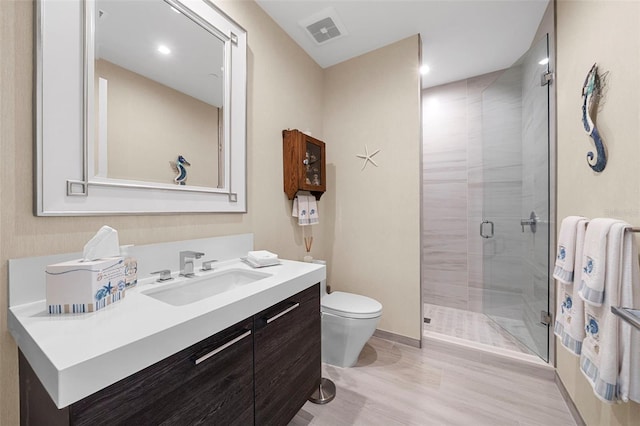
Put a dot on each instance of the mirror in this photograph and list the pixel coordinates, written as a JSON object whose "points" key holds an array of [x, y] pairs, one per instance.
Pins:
{"points": [[158, 93], [150, 116]]}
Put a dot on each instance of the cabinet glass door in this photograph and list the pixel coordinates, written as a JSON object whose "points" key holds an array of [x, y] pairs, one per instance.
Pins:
{"points": [[313, 162]]}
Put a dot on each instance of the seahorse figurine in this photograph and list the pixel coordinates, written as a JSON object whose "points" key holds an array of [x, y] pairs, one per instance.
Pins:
{"points": [[179, 167], [591, 90]]}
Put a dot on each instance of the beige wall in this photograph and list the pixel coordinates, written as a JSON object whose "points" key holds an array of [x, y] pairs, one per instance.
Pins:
{"points": [[607, 32], [150, 124], [374, 101], [286, 89]]}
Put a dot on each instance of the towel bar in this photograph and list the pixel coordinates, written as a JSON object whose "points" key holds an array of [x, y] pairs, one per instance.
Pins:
{"points": [[632, 316]]}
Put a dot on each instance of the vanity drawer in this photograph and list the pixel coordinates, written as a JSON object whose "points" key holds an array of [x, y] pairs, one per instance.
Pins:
{"points": [[211, 382]]}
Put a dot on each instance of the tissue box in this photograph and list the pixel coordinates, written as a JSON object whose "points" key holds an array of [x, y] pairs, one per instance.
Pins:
{"points": [[84, 286]]}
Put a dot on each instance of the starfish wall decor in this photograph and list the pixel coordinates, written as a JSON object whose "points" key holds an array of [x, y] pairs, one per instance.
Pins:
{"points": [[367, 157]]}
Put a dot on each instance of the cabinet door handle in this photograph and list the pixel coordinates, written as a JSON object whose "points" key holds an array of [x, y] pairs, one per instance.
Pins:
{"points": [[285, 312], [222, 348]]}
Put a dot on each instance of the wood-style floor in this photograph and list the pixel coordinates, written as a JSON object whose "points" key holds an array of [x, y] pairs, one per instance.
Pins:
{"points": [[440, 384]]}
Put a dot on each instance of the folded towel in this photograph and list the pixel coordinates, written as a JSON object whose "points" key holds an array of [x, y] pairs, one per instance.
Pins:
{"points": [[601, 350], [314, 218], [629, 380], [262, 257], [569, 325], [565, 257], [595, 260]]}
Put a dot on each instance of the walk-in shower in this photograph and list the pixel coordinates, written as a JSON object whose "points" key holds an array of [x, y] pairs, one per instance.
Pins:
{"points": [[486, 207]]}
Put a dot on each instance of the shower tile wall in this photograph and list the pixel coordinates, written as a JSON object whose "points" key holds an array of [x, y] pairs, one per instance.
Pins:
{"points": [[452, 193]]}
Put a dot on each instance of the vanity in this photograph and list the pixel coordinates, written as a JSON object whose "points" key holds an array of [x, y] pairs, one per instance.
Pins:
{"points": [[248, 355]]}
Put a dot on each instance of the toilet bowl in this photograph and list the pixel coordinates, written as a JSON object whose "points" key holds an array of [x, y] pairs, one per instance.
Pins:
{"points": [[348, 321]]}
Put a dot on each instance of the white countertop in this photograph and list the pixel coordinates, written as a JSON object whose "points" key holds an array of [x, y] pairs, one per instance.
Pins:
{"points": [[75, 355]]}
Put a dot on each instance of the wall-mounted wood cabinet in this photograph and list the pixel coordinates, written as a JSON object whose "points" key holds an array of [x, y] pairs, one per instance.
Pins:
{"points": [[304, 164]]}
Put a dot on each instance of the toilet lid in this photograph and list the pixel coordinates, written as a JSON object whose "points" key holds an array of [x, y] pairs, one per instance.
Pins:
{"points": [[351, 305]]}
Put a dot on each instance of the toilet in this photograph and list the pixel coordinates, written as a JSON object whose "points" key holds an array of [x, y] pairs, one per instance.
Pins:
{"points": [[348, 321]]}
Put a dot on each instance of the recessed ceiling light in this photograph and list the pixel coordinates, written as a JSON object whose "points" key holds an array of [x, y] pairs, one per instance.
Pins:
{"points": [[544, 61], [164, 49], [424, 69]]}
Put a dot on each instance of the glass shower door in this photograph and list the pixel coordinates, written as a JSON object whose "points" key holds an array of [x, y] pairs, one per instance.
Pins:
{"points": [[515, 227]]}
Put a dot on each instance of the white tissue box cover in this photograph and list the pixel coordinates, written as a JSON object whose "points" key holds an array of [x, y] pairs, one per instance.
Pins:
{"points": [[84, 286]]}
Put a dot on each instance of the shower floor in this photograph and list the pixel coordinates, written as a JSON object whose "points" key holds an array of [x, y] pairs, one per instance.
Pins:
{"points": [[470, 327]]}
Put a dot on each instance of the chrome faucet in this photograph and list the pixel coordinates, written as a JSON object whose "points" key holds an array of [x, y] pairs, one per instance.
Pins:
{"points": [[186, 262]]}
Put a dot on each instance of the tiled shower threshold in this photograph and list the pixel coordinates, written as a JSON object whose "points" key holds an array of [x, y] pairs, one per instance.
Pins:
{"points": [[475, 331]]}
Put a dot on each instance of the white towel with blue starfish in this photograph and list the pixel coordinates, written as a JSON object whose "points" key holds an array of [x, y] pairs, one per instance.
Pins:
{"points": [[602, 348], [596, 257], [566, 252], [569, 324]]}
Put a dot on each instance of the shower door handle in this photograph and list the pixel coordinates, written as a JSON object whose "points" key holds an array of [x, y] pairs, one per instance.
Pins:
{"points": [[482, 234]]}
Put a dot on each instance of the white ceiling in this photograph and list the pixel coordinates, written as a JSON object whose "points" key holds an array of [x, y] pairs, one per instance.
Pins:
{"points": [[460, 38], [128, 33]]}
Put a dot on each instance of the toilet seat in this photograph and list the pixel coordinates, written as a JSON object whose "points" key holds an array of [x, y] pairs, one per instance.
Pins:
{"points": [[350, 305]]}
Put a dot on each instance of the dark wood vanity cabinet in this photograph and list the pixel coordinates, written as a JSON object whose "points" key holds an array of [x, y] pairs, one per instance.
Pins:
{"points": [[210, 382], [287, 357], [304, 164], [258, 371]]}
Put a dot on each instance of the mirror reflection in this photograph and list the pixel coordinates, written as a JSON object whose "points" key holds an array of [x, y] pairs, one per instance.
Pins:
{"points": [[158, 95]]}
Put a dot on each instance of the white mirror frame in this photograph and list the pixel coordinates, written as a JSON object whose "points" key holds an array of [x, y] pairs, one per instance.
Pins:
{"points": [[63, 184]]}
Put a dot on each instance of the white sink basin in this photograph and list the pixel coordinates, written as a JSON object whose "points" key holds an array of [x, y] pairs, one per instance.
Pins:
{"points": [[194, 289]]}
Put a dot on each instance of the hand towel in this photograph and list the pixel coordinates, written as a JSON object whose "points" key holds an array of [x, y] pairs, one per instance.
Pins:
{"points": [[300, 209], [601, 351], [595, 260], [303, 210], [569, 325], [565, 257], [314, 217], [629, 380]]}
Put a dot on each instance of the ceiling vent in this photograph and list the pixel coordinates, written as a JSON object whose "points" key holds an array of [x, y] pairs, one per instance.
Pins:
{"points": [[324, 26]]}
